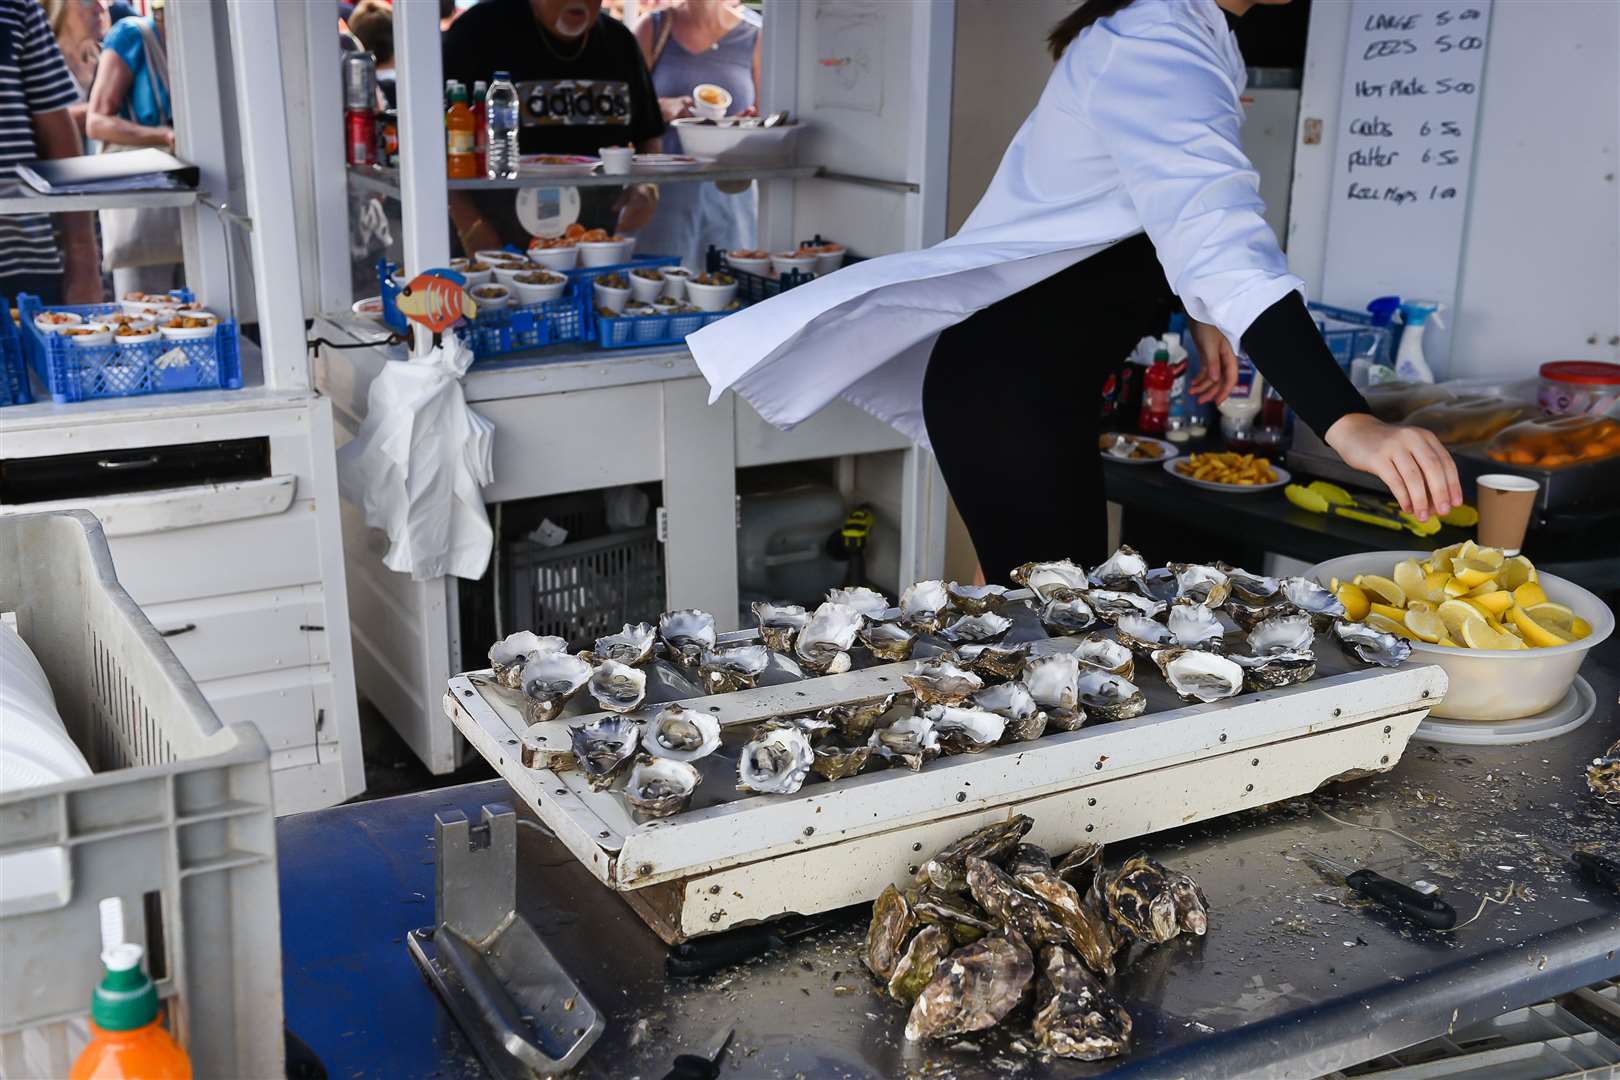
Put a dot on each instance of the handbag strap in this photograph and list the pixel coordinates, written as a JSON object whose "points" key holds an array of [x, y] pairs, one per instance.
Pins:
{"points": [[157, 72], [662, 27]]}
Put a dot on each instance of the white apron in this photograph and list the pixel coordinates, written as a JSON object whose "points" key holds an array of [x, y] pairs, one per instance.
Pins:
{"points": [[1136, 130]]}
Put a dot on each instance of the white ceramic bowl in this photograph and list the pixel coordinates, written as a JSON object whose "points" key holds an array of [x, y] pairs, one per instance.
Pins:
{"points": [[606, 296], [675, 279], [491, 255], [1494, 684], [474, 277], [828, 261], [646, 289], [491, 297], [555, 258], [711, 297], [508, 275], [193, 333], [783, 261], [603, 252], [732, 145], [124, 337], [103, 335], [67, 318], [535, 294], [748, 266]]}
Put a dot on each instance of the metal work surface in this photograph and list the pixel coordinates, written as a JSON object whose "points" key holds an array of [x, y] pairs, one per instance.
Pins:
{"points": [[1293, 979]]}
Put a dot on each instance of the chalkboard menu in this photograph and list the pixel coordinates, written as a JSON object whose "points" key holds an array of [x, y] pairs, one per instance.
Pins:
{"points": [[1408, 113]]}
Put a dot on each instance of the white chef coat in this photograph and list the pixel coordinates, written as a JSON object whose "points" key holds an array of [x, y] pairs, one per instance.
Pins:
{"points": [[1136, 130]]}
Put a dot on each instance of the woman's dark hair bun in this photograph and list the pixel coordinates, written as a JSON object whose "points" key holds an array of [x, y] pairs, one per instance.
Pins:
{"points": [[1069, 27]]}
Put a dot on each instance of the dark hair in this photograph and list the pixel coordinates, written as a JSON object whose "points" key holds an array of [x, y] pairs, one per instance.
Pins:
{"points": [[1069, 27]]}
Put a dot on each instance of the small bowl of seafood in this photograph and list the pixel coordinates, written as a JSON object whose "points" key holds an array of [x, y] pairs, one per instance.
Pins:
{"points": [[558, 257], [491, 297], [54, 322], [475, 271], [749, 260], [803, 262], [829, 256], [538, 286], [607, 251], [87, 335], [646, 283], [675, 279], [712, 292], [611, 292]]}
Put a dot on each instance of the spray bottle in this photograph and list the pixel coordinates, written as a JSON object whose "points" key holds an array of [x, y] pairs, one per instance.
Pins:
{"points": [[128, 1040], [1410, 366]]}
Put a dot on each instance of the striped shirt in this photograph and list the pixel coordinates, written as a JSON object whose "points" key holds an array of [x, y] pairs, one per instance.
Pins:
{"points": [[33, 80]]}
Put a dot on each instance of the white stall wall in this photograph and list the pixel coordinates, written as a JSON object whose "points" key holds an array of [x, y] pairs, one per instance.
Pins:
{"points": [[1539, 277]]}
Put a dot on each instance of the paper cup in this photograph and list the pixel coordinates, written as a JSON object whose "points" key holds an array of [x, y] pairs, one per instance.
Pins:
{"points": [[538, 293], [603, 252], [491, 297], [711, 297], [100, 334], [606, 296], [646, 289], [1505, 502], [675, 279], [710, 101], [54, 322], [616, 160], [555, 258]]}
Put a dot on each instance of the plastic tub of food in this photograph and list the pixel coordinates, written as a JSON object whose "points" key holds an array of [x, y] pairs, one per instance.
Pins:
{"points": [[538, 286], [711, 292], [749, 261], [1578, 387], [735, 140], [646, 283], [785, 261], [190, 326], [611, 292], [86, 335], [1494, 684], [558, 257], [609, 252], [1556, 442], [474, 271], [54, 322], [491, 297]]}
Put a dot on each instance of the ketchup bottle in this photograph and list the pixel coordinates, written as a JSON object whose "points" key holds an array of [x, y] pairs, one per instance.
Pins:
{"points": [[1156, 387], [128, 1040]]}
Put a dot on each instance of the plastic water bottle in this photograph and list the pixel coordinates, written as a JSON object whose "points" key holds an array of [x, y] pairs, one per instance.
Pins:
{"points": [[501, 124]]}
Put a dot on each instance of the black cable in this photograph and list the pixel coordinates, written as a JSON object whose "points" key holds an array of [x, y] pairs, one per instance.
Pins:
{"points": [[315, 343]]}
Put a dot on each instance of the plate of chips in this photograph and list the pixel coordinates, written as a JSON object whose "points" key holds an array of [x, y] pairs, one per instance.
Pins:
{"points": [[1228, 471]]}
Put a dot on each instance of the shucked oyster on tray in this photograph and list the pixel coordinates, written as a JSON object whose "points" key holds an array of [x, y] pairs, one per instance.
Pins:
{"points": [[776, 762], [658, 787], [1013, 703], [1124, 569], [975, 599], [508, 655], [923, 604], [940, 682], [1060, 580], [824, 643], [633, 645], [868, 603], [687, 633], [681, 734], [603, 748], [549, 681], [779, 624], [994, 659], [724, 671], [889, 641]]}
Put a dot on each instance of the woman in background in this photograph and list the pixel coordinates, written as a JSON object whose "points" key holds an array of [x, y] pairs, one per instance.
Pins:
{"points": [[685, 44], [79, 26]]}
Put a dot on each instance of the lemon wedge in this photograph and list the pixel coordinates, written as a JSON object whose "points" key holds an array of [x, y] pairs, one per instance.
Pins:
{"points": [[1492, 603], [1419, 605], [1426, 625], [1456, 614], [1389, 626], [1518, 571], [1472, 572], [1548, 624], [1527, 595], [1354, 599], [1464, 516], [1479, 635], [1411, 579], [1454, 587], [1434, 585], [1382, 588], [1394, 614]]}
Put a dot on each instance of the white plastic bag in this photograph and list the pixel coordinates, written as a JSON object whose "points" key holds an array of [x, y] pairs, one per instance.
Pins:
{"points": [[419, 463]]}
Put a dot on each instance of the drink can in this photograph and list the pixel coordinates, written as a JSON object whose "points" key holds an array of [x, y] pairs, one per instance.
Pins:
{"points": [[359, 81]]}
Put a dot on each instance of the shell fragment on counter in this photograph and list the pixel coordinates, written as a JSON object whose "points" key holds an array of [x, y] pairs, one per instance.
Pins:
{"points": [[974, 988], [681, 734], [1071, 616], [1603, 775], [976, 629], [1197, 675], [1012, 702], [1194, 626], [659, 787], [975, 599], [725, 671], [1143, 634], [779, 624], [911, 741], [1110, 604], [1058, 580], [633, 645], [916, 967], [824, 643], [687, 633], [892, 923], [1124, 569], [508, 655], [1109, 697], [549, 682], [965, 731], [1096, 651], [1054, 682], [923, 603], [1312, 599], [888, 640], [947, 870], [940, 682], [1154, 904], [835, 762], [855, 722], [776, 762], [1252, 588], [618, 687], [1201, 584], [1074, 1016], [1371, 645], [602, 748], [868, 603]]}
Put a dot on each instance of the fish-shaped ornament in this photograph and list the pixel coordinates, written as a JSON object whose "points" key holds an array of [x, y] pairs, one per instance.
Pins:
{"points": [[436, 299]]}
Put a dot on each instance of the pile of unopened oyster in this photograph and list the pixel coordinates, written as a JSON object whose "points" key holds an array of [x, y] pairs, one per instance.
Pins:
{"points": [[972, 686], [991, 922]]}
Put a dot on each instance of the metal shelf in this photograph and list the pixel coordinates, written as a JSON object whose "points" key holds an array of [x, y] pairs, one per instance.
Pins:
{"points": [[21, 199], [385, 181]]}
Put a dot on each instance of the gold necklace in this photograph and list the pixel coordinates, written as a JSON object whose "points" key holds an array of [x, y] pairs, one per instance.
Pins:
{"points": [[584, 39]]}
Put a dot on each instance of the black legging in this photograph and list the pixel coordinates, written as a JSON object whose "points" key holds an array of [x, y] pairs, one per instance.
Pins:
{"points": [[1011, 399]]}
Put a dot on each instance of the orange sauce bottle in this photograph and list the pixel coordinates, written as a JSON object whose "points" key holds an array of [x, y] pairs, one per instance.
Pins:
{"points": [[128, 1040], [461, 136]]}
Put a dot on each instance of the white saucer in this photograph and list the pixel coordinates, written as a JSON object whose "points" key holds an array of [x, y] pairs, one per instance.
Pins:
{"points": [[1573, 710]]}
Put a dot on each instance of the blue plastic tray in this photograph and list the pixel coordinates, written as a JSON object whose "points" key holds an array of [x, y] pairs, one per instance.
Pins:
{"points": [[507, 330], [13, 375]]}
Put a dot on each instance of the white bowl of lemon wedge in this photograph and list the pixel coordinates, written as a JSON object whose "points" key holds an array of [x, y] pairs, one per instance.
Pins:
{"points": [[1510, 638]]}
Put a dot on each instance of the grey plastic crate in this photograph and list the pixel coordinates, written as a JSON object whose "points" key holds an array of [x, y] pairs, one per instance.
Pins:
{"points": [[177, 822], [585, 589]]}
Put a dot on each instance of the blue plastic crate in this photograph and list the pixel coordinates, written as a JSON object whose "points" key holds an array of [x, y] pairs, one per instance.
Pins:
{"points": [[1352, 335], [84, 373], [629, 331], [511, 329], [14, 388]]}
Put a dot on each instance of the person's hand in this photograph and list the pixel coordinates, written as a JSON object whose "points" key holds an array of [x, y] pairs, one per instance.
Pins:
{"points": [[674, 108], [1218, 364], [636, 205], [168, 139], [1409, 460]]}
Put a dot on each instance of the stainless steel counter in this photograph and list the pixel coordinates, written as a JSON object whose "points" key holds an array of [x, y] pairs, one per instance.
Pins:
{"points": [[1293, 979]]}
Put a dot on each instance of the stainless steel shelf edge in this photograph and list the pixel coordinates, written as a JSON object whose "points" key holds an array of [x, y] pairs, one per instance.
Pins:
{"points": [[16, 199], [384, 181]]}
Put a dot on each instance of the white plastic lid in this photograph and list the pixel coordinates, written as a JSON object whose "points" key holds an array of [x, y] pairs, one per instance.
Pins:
{"points": [[122, 957]]}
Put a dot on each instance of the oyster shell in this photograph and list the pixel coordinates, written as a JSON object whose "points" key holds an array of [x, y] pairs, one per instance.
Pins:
{"points": [[1058, 580], [687, 633], [868, 603], [816, 729], [1053, 681], [973, 989], [975, 599], [975, 629], [1603, 775], [1197, 675], [1154, 904], [1194, 626], [779, 624], [1096, 651], [916, 967], [834, 762], [633, 645], [1143, 634], [911, 740], [823, 644], [1201, 584], [922, 603], [1252, 588], [725, 671], [549, 682], [1016, 908], [947, 870], [1027, 859], [1109, 697], [995, 660], [1124, 569], [886, 935], [1371, 646], [776, 762], [1248, 615], [940, 682], [1158, 584], [1278, 669], [855, 722], [1084, 929], [888, 640], [618, 687], [1072, 616], [965, 731], [955, 913], [1079, 867], [1110, 604], [1281, 652], [1312, 599], [508, 655], [1074, 1016], [1282, 634], [681, 734], [1012, 702], [603, 747], [659, 787]]}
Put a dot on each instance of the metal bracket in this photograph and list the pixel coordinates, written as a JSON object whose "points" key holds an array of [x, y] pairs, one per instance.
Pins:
{"points": [[518, 1006]]}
